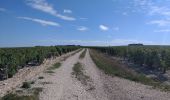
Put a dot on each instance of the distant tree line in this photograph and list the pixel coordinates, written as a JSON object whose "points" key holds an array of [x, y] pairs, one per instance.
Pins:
{"points": [[13, 59], [153, 57]]}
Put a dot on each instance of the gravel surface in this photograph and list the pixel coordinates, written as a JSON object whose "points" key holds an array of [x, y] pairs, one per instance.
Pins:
{"points": [[64, 86]]}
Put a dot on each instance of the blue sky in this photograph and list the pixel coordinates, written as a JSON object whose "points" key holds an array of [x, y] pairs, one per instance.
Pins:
{"points": [[84, 22]]}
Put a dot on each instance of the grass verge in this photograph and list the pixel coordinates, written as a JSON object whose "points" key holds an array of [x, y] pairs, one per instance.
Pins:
{"points": [[49, 71], [40, 77], [15, 96], [26, 85], [82, 55], [55, 66], [114, 68], [78, 72], [64, 58]]}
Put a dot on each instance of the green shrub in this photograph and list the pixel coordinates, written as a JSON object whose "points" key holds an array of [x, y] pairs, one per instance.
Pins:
{"points": [[41, 77], [26, 85], [82, 55]]}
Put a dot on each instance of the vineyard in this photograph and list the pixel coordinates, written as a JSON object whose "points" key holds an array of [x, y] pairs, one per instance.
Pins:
{"points": [[102, 72], [151, 57], [13, 59]]}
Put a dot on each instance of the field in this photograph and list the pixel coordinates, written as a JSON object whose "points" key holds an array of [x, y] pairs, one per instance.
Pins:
{"points": [[99, 73], [13, 59]]}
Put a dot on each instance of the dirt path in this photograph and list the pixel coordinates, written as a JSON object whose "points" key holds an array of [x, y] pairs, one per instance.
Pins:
{"points": [[64, 86], [28, 73]]}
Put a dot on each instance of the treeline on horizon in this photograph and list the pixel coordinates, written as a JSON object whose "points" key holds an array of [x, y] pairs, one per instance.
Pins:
{"points": [[13, 59], [153, 57]]}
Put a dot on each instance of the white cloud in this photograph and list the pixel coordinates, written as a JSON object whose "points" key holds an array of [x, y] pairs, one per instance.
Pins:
{"points": [[160, 22], [83, 18], [2, 9], [40, 21], [163, 30], [152, 8], [125, 13], [82, 28], [164, 11], [116, 28], [67, 11], [44, 6], [109, 36], [103, 27]]}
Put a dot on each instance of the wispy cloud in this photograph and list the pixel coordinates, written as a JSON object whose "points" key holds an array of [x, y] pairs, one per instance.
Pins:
{"points": [[125, 13], [153, 9], [163, 30], [67, 11], [164, 11], [160, 22], [44, 6], [40, 21], [103, 27], [83, 18], [82, 28], [116, 28], [3, 9]]}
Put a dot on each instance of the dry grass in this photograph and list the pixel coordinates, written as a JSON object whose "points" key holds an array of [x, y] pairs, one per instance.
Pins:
{"points": [[82, 55], [55, 66], [78, 72], [14, 96]]}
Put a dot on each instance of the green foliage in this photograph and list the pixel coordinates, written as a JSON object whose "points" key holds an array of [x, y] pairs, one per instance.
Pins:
{"points": [[33, 96], [114, 68], [12, 59], [41, 77], [82, 55], [26, 85], [154, 57], [55, 66], [16, 97], [78, 72], [77, 68]]}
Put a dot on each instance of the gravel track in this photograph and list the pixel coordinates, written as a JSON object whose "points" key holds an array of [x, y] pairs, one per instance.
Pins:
{"points": [[65, 86]]}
